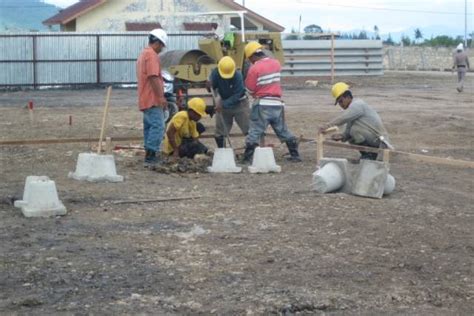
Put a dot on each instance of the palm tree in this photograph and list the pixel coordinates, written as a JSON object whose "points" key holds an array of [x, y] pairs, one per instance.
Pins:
{"points": [[418, 34], [376, 31]]}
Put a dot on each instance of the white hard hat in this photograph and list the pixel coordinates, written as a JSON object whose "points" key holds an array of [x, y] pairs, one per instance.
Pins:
{"points": [[460, 47], [161, 35]]}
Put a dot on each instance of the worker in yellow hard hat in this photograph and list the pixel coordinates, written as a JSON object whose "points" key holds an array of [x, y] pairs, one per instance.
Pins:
{"points": [[363, 126], [227, 84], [182, 136], [263, 84]]}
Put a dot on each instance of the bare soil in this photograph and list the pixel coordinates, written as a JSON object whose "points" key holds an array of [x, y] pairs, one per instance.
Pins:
{"points": [[250, 244]]}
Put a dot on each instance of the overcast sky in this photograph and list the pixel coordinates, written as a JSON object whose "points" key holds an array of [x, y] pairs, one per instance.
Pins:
{"points": [[345, 15]]}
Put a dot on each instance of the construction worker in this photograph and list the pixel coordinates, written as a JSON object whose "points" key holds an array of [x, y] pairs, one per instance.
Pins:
{"points": [[182, 136], [231, 101], [263, 83], [151, 99], [461, 62], [363, 125]]}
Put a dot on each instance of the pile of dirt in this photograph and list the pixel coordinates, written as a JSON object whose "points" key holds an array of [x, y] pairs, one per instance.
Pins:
{"points": [[185, 165]]}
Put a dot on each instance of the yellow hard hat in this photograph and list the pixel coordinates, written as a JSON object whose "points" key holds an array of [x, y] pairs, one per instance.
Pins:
{"points": [[226, 67], [338, 89], [251, 48], [197, 105]]}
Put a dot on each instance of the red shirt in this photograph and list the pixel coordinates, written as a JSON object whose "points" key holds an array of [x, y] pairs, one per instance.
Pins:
{"points": [[148, 66], [263, 78]]}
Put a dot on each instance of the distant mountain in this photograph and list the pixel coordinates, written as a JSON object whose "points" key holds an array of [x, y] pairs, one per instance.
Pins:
{"points": [[25, 15]]}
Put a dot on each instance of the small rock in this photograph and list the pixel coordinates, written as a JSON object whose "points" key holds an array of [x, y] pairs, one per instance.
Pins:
{"points": [[311, 83]]}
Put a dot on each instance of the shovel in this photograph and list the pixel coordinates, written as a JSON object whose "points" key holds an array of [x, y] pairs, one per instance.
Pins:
{"points": [[219, 115]]}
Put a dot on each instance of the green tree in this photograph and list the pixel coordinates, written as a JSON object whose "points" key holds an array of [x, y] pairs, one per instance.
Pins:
{"points": [[362, 35], [292, 35], [389, 40], [313, 28], [406, 41], [418, 34], [376, 31]]}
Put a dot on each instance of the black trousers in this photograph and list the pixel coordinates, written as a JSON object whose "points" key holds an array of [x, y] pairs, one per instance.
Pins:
{"points": [[190, 147]]}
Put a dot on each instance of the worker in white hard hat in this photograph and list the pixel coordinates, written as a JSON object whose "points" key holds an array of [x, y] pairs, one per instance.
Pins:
{"points": [[263, 84], [151, 98], [461, 63], [363, 126], [227, 84]]}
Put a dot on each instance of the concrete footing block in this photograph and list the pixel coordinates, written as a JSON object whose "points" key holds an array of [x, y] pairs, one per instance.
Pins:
{"points": [[40, 198], [264, 161], [389, 185], [370, 180], [332, 175], [224, 161], [95, 168]]}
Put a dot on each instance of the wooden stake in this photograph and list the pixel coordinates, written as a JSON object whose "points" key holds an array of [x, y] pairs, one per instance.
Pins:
{"points": [[108, 145], [319, 148], [104, 119], [386, 156]]}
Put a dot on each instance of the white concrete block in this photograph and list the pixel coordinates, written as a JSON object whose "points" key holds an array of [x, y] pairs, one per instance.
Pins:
{"points": [[95, 168], [40, 198], [224, 161], [264, 161]]}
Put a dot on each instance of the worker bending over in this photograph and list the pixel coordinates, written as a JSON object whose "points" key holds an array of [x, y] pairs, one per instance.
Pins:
{"points": [[363, 125], [231, 101], [182, 136], [263, 83], [461, 63]]}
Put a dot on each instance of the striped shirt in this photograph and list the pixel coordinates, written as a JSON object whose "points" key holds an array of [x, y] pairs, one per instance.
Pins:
{"points": [[263, 79]]}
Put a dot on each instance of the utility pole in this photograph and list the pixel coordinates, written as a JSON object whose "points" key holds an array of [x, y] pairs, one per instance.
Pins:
{"points": [[465, 23], [243, 3]]}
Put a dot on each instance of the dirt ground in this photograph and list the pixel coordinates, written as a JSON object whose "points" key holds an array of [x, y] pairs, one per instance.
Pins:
{"points": [[249, 244]]}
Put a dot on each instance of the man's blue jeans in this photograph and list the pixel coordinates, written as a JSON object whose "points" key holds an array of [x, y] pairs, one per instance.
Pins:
{"points": [[153, 128], [262, 116]]}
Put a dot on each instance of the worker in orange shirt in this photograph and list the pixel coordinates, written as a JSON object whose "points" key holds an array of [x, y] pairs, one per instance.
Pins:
{"points": [[151, 99]]}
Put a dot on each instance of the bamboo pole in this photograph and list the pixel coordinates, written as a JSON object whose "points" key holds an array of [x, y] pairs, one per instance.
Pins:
{"points": [[104, 119]]}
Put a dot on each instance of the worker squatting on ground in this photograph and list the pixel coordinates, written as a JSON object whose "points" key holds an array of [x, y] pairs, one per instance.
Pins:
{"points": [[461, 62], [182, 135], [263, 83], [231, 101], [363, 125], [151, 99]]}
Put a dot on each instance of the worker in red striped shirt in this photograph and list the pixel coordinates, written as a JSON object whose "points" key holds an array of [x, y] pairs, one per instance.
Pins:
{"points": [[263, 83]]}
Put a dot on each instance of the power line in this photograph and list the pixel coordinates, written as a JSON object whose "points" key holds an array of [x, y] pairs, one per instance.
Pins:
{"points": [[381, 9]]}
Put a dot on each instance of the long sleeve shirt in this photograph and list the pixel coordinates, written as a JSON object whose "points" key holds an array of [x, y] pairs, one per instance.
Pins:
{"points": [[263, 79], [461, 61], [230, 90], [363, 124]]}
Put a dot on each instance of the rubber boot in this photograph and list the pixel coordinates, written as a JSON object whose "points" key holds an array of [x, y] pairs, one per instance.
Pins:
{"points": [[220, 141], [150, 159], [248, 154], [293, 149]]}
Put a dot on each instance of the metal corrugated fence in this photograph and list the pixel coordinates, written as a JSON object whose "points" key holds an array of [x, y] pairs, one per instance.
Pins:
{"points": [[64, 58], [351, 58]]}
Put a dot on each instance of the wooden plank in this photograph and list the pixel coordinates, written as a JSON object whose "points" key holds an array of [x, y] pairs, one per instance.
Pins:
{"points": [[155, 200], [436, 160], [81, 140]]}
